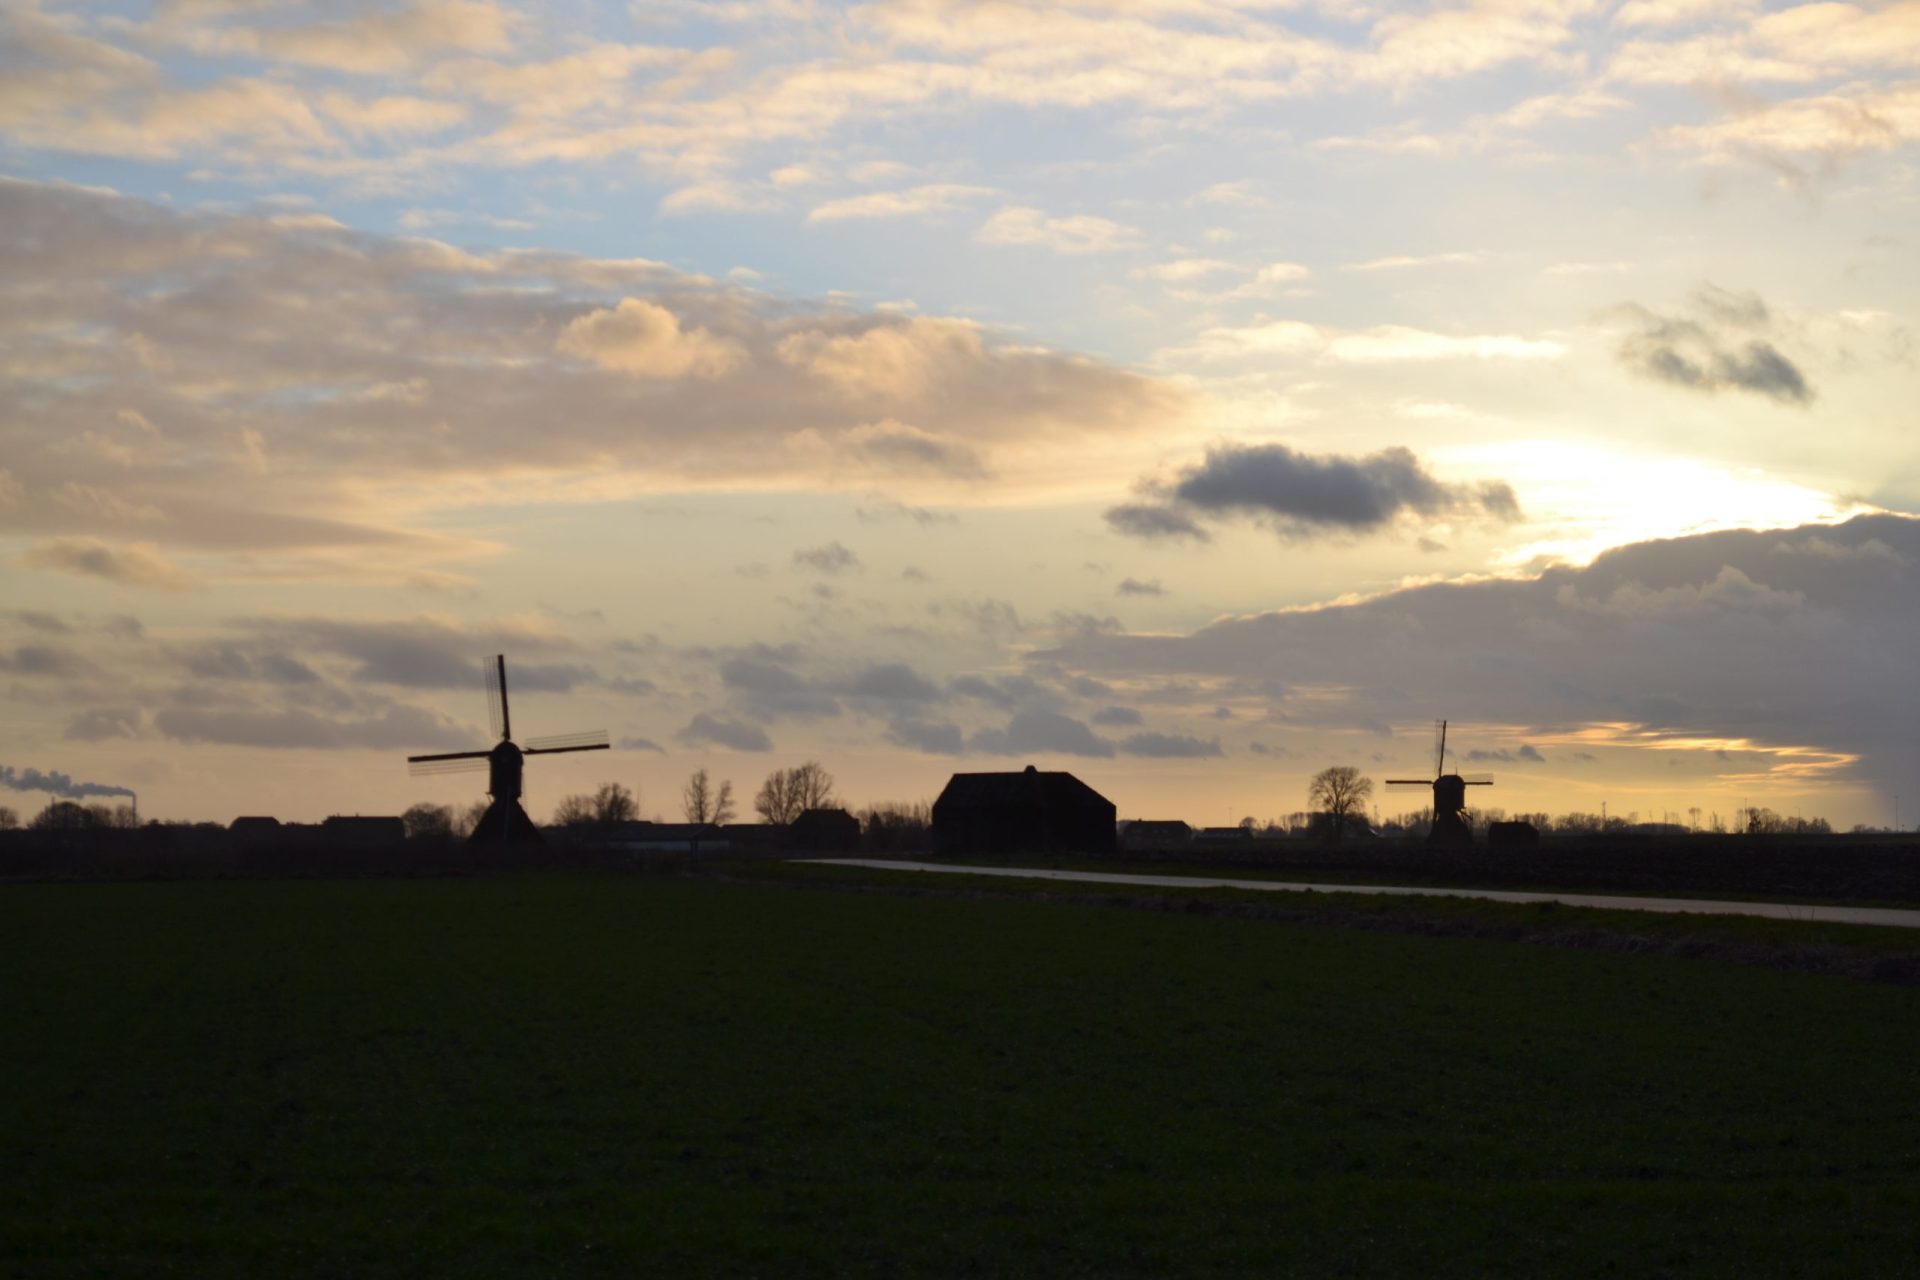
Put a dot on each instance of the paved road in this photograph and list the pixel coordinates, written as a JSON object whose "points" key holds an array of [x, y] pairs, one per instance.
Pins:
{"points": [[1772, 910]]}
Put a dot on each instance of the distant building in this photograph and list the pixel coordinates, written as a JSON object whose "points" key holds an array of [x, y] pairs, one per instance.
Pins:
{"points": [[1223, 835], [826, 831], [255, 828], [1155, 834], [1025, 812], [660, 837]]}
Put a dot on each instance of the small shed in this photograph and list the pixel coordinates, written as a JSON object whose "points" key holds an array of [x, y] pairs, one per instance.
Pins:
{"points": [[1025, 812], [826, 831], [1152, 833]]}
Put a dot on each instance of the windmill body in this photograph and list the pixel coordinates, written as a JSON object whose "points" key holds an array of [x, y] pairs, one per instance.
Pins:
{"points": [[1450, 825], [505, 821]]}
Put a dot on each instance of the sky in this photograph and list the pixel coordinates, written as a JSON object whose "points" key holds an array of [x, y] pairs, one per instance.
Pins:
{"points": [[1191, 394]]}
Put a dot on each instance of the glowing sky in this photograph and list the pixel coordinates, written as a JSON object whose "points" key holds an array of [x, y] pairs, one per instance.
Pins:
{"points": [[1189, 393]]}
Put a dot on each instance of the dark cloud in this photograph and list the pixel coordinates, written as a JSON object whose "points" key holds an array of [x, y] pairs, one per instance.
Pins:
{"points": [[893, 682], [34, 620], [640, 744], [724, 731], [1301, 495], [396, 728], [1169, 746], [1722, 343], [103, 723], [1524, 755], [1038, 732], [831, 558], [1154, 523], [770, 690], [419, 653], [1004, 692], [1117, 716], [47, 660], [939, 739], [1136, 587], [1777, 636]]}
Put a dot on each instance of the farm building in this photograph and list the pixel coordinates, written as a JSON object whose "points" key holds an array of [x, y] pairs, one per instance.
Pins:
{"points": [[1156, 834], [826, 831], [1025, 812]]}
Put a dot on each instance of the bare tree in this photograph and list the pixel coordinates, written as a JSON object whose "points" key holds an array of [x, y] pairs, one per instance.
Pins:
{"points": [[468, 818], [703, 803], [1339, 792], [9, 820], [788, 793], [64, 815], [574, 811], [895, 827], [428, 822], [614, 803]]}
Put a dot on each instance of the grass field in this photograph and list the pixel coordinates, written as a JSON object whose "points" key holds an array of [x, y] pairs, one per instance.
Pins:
{"points": [[649, 1076]]}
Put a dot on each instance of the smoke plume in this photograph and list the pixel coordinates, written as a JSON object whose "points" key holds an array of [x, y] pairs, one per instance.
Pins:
{"points": [[55, 783]]}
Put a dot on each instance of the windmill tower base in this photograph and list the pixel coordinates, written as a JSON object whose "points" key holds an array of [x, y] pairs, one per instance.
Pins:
{"points": [[1450, 831], [505, 822]]}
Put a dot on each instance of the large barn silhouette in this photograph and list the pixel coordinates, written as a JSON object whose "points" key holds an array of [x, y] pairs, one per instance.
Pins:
{"points": [[1025, 812]]}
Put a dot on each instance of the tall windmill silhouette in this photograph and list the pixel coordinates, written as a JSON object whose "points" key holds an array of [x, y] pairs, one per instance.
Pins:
{"points": [[1450, 825], [504, 822]]}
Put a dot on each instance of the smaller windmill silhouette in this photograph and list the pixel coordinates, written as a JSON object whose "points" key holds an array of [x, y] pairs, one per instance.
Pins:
{"points": [[504, 822], [1450, 825]]}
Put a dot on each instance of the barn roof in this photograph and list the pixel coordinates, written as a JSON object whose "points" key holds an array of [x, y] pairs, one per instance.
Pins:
{"points": [[1024, 787]]}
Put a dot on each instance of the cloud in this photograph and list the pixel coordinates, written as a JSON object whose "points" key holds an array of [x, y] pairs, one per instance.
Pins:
{"points": [[1117, 716], [1524, 754], [1181, 270], [425, 652], [1079, 233], [723, 731], [1169, 746], [831, 559], [1722, 345], [900, 448], [645, 339], [330, 436], [1399, 262], [101, 724], [397, 728], [136, 565], [1037, 732], [1381, 344], [1152, 523], [640, 744], [1718, 639], [893, 682], [1136, 587], [941, 739], [1301, 495], [48, 661], [913, 201]]}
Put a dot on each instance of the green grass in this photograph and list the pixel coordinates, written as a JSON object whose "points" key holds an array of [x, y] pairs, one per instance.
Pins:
{"points": [[603, 1076], [1454, 912]]}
